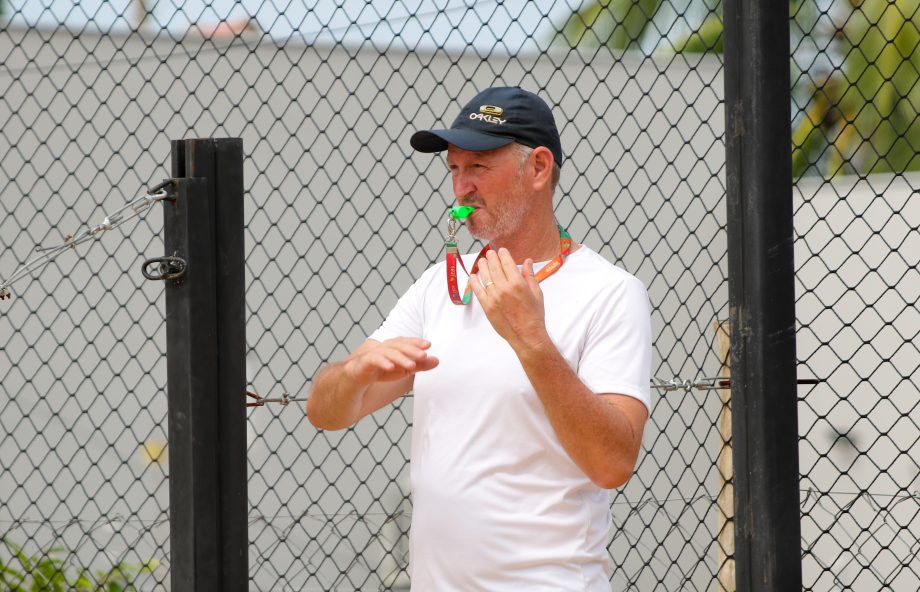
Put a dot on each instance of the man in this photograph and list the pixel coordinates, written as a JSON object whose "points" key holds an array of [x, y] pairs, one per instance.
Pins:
{"points": [[530, 401]]}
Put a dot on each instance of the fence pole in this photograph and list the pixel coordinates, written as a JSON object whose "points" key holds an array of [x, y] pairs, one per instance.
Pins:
{"points": [[205, 333], [761, 296]]}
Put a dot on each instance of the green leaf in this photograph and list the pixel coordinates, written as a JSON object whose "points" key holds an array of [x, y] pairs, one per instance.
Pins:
{"points": [[83, 582], [706, 39], [47, 571], [11, 578]]}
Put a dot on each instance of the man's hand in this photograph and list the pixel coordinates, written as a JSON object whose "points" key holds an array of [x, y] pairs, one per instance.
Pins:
{"points": [[601, 433], [389, 360], [511, 298], [374, 375]]}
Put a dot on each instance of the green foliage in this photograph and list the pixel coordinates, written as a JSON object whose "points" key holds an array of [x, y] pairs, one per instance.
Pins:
{"points": [[48, 572], [706, 39], [621, 24], [862, 117], [618, 24]]}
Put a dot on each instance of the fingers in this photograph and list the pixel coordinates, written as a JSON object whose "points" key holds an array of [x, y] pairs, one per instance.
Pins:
{"points": [[393, 359], [405, 352], [508, 266], [528, 268], [498, 268], [494, 267], [411, 346], [484, 275], [477, 282], [497, 272], [529, 277], [428, 363], [380, 365], [501, 265]]}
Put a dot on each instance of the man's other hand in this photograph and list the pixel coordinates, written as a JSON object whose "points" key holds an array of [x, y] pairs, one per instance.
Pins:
{"points": [[389, 360]]}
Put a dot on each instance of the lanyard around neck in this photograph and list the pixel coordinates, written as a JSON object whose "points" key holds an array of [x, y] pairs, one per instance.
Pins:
{"points": [[453, 256]]}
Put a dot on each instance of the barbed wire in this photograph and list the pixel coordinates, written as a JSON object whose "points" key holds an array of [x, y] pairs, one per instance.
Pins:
{"points": [[95, 522], [256, 515], [854, 546], [131, 533], [136, 208]]}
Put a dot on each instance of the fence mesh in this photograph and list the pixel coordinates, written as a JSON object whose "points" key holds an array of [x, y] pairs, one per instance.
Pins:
{"points": [[856, 144], [341, 216]]}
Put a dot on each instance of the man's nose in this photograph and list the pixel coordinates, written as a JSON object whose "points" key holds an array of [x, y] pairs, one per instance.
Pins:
{"points": [[462, 184]]}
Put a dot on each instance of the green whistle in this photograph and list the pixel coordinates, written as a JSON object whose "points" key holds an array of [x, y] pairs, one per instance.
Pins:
{"points": [[461, 212]]}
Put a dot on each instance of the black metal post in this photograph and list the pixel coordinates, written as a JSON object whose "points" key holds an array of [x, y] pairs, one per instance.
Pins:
{"points": [[761, 296], [205, 331]]}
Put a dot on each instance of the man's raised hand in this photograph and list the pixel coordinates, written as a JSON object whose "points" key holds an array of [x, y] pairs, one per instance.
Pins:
{"points": [[389, 360], [511, 298]]}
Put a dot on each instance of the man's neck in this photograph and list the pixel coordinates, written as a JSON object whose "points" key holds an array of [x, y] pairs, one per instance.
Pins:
{"points": [[541, 244]]}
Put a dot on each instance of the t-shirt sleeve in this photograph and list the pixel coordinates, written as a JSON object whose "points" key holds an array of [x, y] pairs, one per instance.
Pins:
{"points": [[617, 356], [406, 318]]}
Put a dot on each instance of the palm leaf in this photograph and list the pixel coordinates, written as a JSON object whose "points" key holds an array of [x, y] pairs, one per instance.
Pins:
{"points": [[618, 24]]}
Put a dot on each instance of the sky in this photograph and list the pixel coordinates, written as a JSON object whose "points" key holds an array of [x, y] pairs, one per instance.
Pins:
{"points": [[519, 25]]}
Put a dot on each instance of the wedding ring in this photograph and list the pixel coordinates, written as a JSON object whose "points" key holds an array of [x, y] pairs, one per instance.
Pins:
{"points": [[487, 284]]}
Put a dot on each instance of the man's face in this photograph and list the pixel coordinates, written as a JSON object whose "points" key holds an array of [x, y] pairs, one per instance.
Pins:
{"points": [[492, 182]]}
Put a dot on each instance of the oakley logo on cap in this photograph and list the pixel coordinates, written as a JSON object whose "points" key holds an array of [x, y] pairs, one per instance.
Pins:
{"points": [[489, 114]]}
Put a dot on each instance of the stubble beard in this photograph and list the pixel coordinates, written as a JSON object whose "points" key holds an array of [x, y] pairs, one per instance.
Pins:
{"points": [[506, 218]]}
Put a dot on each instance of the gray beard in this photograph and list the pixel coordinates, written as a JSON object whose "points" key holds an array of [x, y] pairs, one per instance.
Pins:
{"points": [[505, 225]]}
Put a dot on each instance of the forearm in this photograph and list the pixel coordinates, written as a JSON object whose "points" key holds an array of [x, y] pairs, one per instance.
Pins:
{"points": [[597, 434], [335, 400]]}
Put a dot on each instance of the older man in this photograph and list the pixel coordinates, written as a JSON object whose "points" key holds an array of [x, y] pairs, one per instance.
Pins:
{"points": [[531, 397]]}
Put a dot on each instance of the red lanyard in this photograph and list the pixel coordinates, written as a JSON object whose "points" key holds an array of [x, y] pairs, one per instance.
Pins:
{"points": [[453, 256]]}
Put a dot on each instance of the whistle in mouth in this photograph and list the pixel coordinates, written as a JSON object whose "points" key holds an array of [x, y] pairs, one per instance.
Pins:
{"points": [[461, 212]]}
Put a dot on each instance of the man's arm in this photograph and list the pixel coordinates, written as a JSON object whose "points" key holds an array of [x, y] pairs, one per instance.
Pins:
{"points": [[602, 433], [375, 374]]}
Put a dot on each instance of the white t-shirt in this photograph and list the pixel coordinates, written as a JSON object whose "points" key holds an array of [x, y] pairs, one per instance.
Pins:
{"points": [[497, 504]]}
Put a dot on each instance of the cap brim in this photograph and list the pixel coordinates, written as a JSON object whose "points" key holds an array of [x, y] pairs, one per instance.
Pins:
{"points": [[475, 141]]}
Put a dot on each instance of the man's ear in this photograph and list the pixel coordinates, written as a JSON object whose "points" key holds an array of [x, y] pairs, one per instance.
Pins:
{"points": [[542, 162]]}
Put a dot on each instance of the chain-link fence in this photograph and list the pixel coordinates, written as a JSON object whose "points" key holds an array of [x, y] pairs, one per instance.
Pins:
{"points": [[341, 216], [856, 140]]}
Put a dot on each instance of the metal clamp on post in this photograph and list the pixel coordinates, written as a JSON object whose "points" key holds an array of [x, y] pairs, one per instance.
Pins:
{"points": [[167, 268], [167, 188]]}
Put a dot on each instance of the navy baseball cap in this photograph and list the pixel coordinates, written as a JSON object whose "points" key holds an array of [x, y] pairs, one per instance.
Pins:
{"points": [[494, 118]]}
